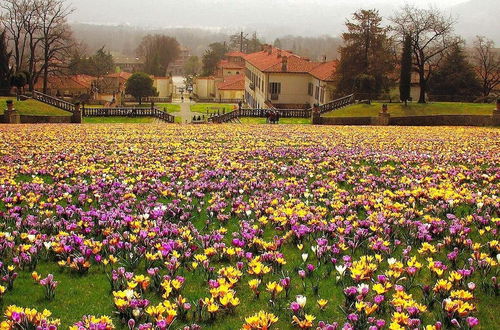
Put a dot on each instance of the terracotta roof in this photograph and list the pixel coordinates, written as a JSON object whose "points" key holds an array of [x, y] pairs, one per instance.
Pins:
{"points": [[295, 64], [263, 60], [271, 60], [234, 82], [123, 75], [225, 64], [325, 71], [67, 82]]}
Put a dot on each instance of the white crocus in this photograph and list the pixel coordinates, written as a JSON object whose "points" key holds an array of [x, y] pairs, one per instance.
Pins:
{"points": [[391, 261], [341, 269], [305, 256], [301, 300]]}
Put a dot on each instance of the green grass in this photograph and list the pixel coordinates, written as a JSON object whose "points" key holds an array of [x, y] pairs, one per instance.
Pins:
{"points": [[210, 107], [288, 121], [414, 109], [169, 107], [118, 120], [32, 107]]}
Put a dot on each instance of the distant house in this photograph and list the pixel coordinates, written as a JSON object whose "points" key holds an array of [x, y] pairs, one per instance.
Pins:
{"points": [[232, 87], [228, 82], [67, 85], [114, 82], [232, 64], [128, 64], [177, 67], [282, 79]]}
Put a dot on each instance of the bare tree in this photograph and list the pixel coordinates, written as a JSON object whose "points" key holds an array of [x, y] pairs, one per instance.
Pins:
{"points": [[12, 19], [431, 35], [39, 34], [487, 64], [32, 25], [55, 36]]}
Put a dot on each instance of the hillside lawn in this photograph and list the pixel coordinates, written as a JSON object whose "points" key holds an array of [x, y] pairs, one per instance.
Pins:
{"points": [[414, 109], [118, 120], [210, 107], [32, 107], [284, 121]]}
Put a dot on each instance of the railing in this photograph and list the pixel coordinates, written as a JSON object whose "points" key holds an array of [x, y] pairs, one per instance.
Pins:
{"points": [[158, 99], [128, 112], [337, 104], [53, 101], [260, 113], [233, 101]]}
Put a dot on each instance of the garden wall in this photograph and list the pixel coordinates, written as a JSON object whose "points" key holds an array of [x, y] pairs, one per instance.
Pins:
{"points": [[27, 119], [438, 120], [442, 120]]}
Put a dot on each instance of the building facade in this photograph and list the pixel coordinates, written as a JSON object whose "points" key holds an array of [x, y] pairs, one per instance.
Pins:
{"points": [[282, 79]]}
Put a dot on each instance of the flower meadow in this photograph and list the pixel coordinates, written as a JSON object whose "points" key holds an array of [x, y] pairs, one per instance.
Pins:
{"points": [[249, 227]]}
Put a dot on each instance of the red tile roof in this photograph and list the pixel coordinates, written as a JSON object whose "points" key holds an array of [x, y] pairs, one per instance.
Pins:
{"points": [[225, 64], [271, 60], [122, 75], [325, 71], [67, 82], [234, 82], [264, 60]]}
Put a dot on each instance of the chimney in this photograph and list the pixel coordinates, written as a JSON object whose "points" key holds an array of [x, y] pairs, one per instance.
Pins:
{"points": [[279, 53], [269, 50], [284, 64], [324, 58]]}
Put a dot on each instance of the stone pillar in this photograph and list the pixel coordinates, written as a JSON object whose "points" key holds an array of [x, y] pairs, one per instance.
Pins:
{"points": [[384, 116], [76, 118], [316, 115], [11, 116], [496, 115]]}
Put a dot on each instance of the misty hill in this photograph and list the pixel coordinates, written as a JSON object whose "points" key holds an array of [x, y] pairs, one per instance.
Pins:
{"points": [[125, 39], [478, 17]]}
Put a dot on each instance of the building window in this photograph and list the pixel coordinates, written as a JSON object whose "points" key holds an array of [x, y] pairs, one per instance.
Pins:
{"points": [[275, 88], [310, 88], [317, 93], [322, 95]]}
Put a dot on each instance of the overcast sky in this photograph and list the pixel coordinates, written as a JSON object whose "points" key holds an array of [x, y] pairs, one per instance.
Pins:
{"points": [[268, 17]]}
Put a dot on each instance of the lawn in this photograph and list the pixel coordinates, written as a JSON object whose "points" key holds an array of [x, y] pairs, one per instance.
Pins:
{"points": [[123, 120], [210, 108], [177, 225], [254, 121], [32, 107], [414, 109]]}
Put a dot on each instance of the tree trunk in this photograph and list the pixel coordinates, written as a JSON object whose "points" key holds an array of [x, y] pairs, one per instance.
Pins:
{"points": [[45, 79], [422, 84]]}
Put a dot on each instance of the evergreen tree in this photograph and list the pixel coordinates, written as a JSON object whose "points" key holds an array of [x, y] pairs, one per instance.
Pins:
{"points": [[406, 69], [365, 60], [5, 70], [455, 79], [140, 85]]}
